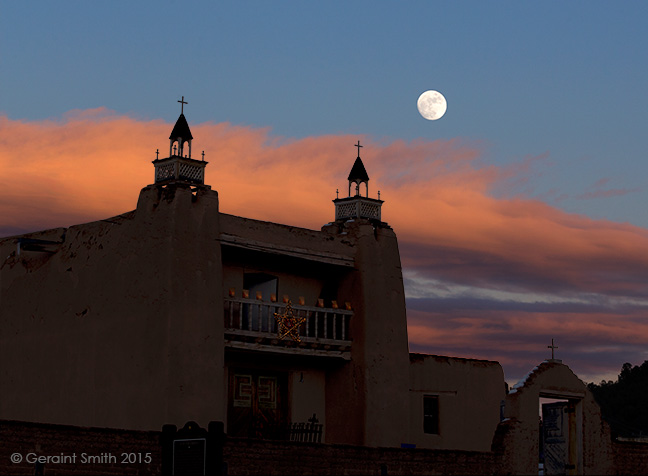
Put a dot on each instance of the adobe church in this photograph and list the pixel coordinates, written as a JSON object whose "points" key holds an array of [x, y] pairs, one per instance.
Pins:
{"points": [[176, 312]]}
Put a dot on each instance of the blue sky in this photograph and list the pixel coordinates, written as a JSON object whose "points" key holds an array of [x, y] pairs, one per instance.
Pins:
{"points": [[563, 81], [550, 94]]}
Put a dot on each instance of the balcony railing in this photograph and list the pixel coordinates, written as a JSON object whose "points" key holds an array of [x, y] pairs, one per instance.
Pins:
{"points": [[357, 207], [257, 318], [182, 169]]}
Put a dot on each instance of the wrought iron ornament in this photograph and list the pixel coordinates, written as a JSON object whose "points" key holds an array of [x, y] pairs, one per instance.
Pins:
{"points": [[289, 323]]}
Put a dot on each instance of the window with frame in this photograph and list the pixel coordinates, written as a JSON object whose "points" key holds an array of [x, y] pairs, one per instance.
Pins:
{"points": [[431, 414]]}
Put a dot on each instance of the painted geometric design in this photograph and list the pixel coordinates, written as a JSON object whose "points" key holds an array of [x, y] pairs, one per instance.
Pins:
{"points": [[267, 392], [289, 323], [243, 391]]}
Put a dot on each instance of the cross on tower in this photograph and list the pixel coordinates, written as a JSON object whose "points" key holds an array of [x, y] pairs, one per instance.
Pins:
{"points": [[552, 347], [358, 146], [182, 103]]}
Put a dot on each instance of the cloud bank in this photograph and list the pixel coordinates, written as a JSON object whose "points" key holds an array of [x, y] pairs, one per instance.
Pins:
{"points": [[486, 277]]}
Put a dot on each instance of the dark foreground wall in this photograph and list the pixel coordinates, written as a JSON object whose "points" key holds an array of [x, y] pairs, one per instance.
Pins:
{"points": [[250, 457], [630, 457], [77, 451], [104, 451]]}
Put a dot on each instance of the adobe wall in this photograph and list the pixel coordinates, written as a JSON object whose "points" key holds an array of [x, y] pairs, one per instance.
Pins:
{"points": [[469, 392], [374, 385], [304, 261], [291, 237], [121, 325], [517, 436], [308, 392]]}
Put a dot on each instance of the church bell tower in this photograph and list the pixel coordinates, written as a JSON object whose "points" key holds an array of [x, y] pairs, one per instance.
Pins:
{"points": [[179, 167], [357, 206]]}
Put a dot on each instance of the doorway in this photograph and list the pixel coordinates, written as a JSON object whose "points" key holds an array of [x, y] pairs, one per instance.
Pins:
{"points": [[560, 436], [257, 404]]}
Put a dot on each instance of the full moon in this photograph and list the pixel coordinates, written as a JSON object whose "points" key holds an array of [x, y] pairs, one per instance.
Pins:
{"points": [[432, 105]]}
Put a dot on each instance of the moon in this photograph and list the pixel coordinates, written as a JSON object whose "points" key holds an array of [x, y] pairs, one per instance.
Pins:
{"points": [[432, 105]]}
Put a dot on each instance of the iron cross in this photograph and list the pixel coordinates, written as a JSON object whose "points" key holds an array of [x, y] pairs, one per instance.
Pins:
{"points": [[552, 347], [358, 146], [182, 103]]}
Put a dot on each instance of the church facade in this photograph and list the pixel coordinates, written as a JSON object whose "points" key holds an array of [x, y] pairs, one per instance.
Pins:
{"points": [[175, 312]]}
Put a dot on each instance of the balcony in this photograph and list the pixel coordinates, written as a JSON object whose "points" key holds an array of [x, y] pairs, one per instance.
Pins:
{"points": [[181, 169], [357, 207], [250, 324]]}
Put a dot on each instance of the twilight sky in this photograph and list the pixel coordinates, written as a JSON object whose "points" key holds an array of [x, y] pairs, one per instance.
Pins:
{"points": [[519, 213]]}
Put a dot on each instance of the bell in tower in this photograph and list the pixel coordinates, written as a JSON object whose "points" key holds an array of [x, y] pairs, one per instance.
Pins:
{"points": [[180, 135], [179, 167], [357, 206]]}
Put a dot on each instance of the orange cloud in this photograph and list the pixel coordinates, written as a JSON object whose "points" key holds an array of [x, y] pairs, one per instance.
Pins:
{"points": [[91, 165]]}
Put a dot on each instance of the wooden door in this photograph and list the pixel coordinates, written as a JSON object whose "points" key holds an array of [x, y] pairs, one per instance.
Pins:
{"points": [[257, 406], [555, 437]]}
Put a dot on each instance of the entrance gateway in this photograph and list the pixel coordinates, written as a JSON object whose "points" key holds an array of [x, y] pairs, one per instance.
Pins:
{"points": [[560, 434]]}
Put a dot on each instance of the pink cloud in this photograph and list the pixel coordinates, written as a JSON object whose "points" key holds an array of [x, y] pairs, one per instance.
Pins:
{"points": [[91, 165], [597, 192]]}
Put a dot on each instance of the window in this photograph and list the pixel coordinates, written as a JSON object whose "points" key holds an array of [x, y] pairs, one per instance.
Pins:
{"points": [[431, 414]]}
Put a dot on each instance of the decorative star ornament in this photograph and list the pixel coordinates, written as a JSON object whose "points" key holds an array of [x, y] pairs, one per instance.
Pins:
{"points": [[289, 323]]}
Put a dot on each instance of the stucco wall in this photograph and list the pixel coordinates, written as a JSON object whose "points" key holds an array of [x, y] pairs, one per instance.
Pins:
{"points": [[518, 436], [375, 381], [121, 325], [469, 393], [308, 391]]}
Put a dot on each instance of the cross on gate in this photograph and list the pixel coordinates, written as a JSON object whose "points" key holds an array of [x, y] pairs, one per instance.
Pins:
{"points": [[182, 103], [552, 347], [358, 146]]}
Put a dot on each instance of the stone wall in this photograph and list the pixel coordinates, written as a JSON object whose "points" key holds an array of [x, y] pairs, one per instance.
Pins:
{"points": [[250, 457], [117, 452], [243, 456], [80, 451], [630, 457]]}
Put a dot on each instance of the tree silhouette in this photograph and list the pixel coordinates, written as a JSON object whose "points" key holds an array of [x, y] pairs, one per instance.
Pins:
{"points": [[624, 403]]}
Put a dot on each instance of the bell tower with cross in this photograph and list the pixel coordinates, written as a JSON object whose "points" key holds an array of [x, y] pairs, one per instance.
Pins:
{"points": [[179, 167], [355, 205]]}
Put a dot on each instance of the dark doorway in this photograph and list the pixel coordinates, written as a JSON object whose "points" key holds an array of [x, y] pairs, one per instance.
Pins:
{"points": [[559, 437], [260, 283], [258, 404]]}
